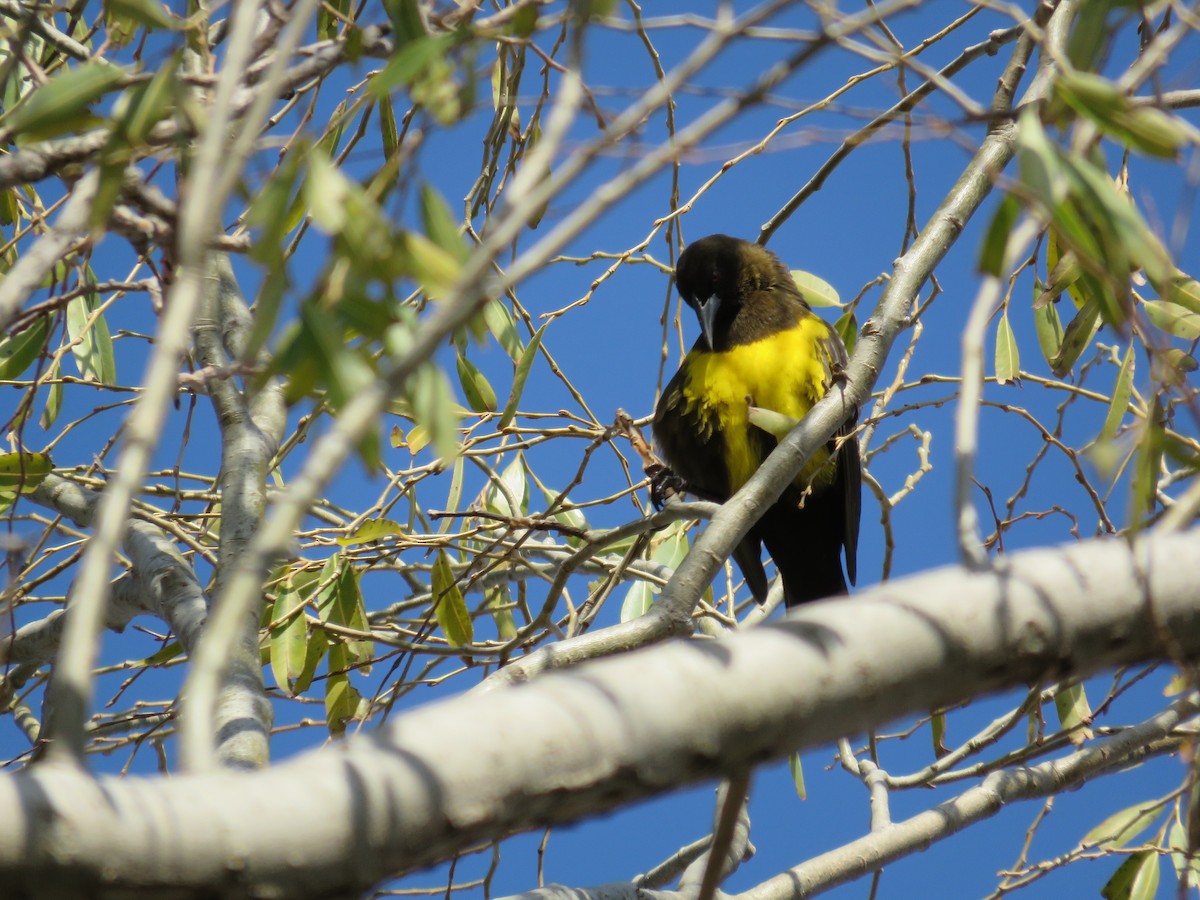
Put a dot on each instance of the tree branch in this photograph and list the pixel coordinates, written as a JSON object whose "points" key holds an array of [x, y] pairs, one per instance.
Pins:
{"points": [[667, 716]]}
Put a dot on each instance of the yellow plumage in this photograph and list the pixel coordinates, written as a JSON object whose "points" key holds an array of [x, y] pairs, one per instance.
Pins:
{"points": [[721, 387]]}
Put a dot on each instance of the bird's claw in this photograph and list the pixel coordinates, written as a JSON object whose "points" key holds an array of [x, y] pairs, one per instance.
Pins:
{"points": [[664, 484]]}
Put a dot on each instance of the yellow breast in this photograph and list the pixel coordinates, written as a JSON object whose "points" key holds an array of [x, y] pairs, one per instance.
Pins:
{"points": [[785, 373]]}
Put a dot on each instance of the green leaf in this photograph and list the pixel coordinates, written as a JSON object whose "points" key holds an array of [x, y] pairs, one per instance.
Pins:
{"points": [[1119, 404], [1135, 879], [847, 328], [1122, 826], [59, 105], [340, 602], [1146, 467], [18, 351], [1064, 273], [1147, 129], [440, 225], [407, 23], [1178, 844], [499, 602], [1174, 319], [515, 485], [1074, 711], [53, 399], [372, 530], [816, 291], [1181, 289], [500, 323], [21, 473], [995, 242], [410, 64], [389, 135], [1049, 330], [480, 395], [326, 190], [449, 606], [937, 732], [454, 495], [1008, 358], [520, 376], [668, 548], [91, 342], [434, 409], [288, 635], [148, 103], [570, 516], [797, 771], [342, 699], [1080, 331], [1039, 160], [638, 600], [144, 12], [773, 423]]}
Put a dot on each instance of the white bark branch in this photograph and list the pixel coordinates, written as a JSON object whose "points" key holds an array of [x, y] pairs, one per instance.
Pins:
{"points": [[485, 765]]}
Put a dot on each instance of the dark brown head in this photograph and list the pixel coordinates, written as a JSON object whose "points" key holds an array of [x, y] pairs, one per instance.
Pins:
{"points": [[717, 274]]}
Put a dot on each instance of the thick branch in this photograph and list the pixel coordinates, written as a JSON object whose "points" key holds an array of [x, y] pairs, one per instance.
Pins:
{"points": [[485, 765]]}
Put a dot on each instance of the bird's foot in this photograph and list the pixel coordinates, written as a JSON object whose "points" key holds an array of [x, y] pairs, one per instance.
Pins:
{"points": [[664, 484]]}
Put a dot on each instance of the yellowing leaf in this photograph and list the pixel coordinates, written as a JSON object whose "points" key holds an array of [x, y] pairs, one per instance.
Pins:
{"points": [[1008, 358], [816, 291]]}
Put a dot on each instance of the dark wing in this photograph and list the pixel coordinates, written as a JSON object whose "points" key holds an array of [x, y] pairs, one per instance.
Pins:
{"points": [[848, 482], [691, 441], [849, 479]]}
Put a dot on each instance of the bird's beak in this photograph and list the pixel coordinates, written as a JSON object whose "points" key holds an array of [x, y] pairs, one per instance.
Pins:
{"points": [[707, 311]]}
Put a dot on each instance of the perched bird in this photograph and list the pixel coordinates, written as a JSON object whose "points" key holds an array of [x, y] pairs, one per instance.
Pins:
{"points": [[761, 345]]}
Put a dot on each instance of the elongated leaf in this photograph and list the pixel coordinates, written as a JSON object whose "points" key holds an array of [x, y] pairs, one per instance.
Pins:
{"points": [[520, 376], [18, 351], [450, 607], [1119, 404], [847, 328], [797, 770], [500, 323], [1174, 319], [342, 699], [480, 395], [1121, 827], [515, 485], [149, 103], [372, 530], [289, 635], [995, 242], [1049, 330], [440, 225], [1080, 331], [92, 344], [53, 399], [434, 409], [499, 602], [1074, 711], [1008, 358], [773, 423], [1135, 879], [638, 599], [59, 105]]}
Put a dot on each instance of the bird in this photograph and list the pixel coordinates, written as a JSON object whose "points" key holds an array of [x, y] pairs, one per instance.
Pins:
{"points": [[761, 345]]}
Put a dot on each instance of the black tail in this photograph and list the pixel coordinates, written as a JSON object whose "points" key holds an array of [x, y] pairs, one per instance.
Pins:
{"points": [[806, 544]]}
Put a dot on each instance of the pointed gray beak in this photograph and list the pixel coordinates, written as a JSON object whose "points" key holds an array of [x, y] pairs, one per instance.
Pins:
{"points": [[707, 311]]}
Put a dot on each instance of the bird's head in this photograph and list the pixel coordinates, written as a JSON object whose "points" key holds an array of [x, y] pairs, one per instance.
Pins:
{"points": [[716, 274]]}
